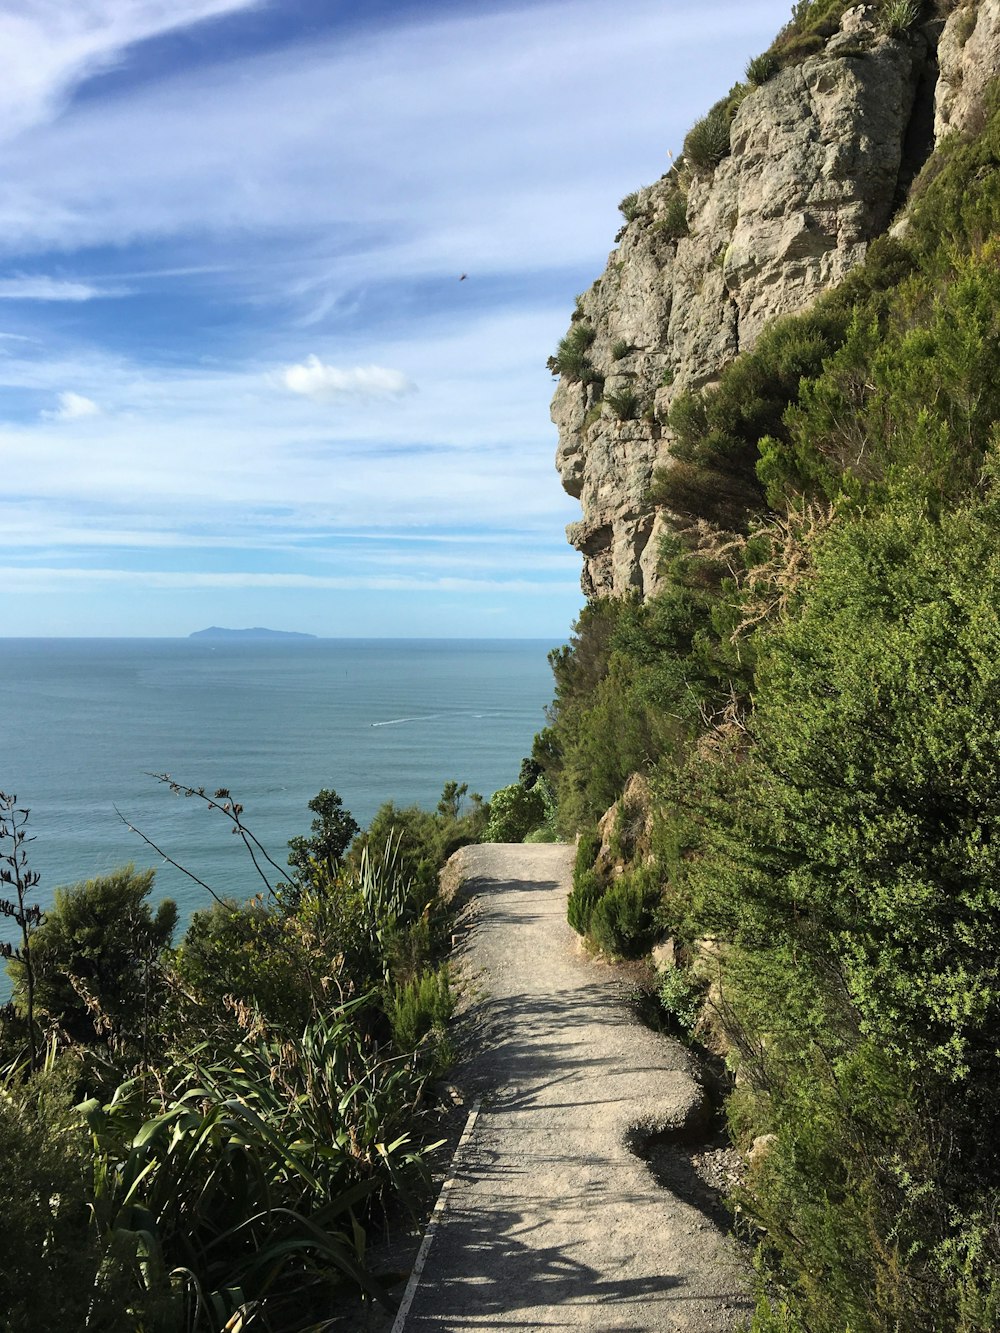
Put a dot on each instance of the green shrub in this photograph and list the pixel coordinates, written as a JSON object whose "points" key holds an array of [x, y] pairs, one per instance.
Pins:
{"points": [[545, 833], [96, 958], [629, 207], [55, 1273], [625, 404], [674, 224], [623, 921], [420, 1006], [587, 848], [680, 995], [514, 812], [620, 348], [588, 890], [244, 952], [707, 141], [817, 16], [571, 358], [762, 68], [896, 17]]}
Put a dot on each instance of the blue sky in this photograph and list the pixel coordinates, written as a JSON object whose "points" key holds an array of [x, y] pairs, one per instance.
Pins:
{"points": [[241, 381]]}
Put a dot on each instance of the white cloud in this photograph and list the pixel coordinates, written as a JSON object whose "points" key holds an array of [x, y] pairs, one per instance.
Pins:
{"points": [[219, 449], [314, 379], [73, 407], [43, 288]]}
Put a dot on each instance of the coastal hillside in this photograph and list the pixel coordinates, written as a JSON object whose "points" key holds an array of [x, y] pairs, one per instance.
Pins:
{"points": [[775, 726]]}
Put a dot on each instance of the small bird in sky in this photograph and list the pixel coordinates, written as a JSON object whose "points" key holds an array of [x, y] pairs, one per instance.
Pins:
{"points": [[463, 277]]}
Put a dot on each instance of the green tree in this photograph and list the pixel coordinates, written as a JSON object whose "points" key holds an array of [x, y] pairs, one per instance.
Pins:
{"points": [[331, 833], [514, 812], [97, 958]]}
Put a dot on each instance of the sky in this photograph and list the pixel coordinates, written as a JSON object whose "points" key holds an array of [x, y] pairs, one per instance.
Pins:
{"points": [[242, 378]]}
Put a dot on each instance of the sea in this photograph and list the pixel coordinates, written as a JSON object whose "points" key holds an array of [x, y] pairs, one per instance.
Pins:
{"points": [[87, 724]]}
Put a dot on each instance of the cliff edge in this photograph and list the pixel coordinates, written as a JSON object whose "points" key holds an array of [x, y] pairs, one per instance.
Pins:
{"points": [[781, 190]]}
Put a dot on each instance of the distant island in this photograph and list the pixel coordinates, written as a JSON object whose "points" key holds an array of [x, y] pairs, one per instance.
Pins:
{"points": [[258, 632]]}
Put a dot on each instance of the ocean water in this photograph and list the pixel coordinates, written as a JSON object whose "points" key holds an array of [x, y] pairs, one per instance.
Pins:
{"points": [[84, 722]]}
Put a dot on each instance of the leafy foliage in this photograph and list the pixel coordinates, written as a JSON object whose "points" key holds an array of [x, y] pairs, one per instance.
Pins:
{"points": [[629, 206], [331, 833], [625, 404], [623, 920], [762, 68], [813, 694], [673, 223], [255, 1101], [897, 17], [421, 1007], [97, 959], [680, 996], [514, 812], [56, 1273], [588, 890]]}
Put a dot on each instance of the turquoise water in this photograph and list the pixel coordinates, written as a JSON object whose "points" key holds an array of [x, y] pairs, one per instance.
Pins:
{"points": [[83, 721]]}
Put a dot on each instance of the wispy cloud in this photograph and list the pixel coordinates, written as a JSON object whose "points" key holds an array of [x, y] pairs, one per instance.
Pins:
{"points": [[42, 288], [337, 176], [47, 48], [439, 145], [314, 379], [73, 407], [18, 577]]}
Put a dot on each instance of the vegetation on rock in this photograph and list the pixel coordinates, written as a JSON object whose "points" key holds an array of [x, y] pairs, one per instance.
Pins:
{"points": [[215, 1128], [813, 694]]}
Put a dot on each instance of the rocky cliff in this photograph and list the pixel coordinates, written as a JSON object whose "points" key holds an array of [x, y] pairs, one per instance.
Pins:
{"points": [[819, 159]]}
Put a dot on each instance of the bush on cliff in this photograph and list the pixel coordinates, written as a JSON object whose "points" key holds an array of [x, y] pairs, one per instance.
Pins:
{"points": [[623, 920], [828, 783], [854, 851]]}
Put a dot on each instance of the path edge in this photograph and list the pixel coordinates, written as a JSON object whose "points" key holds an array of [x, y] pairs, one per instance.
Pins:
{"points": [[439, 1210]]}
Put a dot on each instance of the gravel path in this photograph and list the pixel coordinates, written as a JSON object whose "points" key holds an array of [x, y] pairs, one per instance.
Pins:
{"points": [[553, 1222]]}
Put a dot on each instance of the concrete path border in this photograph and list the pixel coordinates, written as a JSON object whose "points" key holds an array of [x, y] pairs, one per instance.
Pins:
{"points": [[434, 1223]]}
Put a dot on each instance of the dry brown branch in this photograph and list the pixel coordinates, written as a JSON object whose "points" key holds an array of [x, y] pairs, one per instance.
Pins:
{"points": [[769, 587], [723, 728]]}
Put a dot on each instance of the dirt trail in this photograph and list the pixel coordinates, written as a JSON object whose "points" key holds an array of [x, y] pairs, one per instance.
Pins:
{"points": [[552, 1221]]}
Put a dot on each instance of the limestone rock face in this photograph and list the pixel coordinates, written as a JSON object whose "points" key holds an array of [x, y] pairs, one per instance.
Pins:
{"points": [[968, 58], [817, 167]]}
